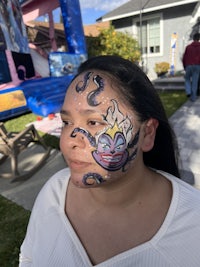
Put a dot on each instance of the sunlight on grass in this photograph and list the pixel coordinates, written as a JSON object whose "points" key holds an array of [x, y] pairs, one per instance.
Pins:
{"points": [[172, 101], [19, 123]]}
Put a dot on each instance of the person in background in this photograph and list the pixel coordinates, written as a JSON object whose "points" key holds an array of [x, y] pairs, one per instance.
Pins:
{"points": [[191, 64], [120, 201]]}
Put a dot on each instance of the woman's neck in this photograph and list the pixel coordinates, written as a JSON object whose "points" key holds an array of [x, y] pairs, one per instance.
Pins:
{"points": [[127, 190]]}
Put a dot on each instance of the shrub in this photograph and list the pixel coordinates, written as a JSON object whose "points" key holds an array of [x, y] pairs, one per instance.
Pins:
{"points": [[161, 68], [111, 42]]}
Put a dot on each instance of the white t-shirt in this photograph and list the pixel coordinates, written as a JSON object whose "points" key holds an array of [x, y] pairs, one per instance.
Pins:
{"points": [[52, 242]]}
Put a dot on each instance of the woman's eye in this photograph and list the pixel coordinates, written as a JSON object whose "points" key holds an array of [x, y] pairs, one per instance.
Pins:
{"points": [[95, 123], [66, 123]]}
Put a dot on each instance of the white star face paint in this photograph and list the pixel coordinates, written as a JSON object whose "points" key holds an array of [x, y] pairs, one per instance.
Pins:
{"points": [[99, 140]]}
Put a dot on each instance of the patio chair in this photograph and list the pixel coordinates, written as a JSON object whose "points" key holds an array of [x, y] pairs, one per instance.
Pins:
{"points": [[12, 143]]}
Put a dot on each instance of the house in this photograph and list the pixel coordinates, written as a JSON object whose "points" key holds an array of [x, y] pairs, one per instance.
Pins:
{"points": [[38, 34], [41, 45], [162, 27], [93, 30]]}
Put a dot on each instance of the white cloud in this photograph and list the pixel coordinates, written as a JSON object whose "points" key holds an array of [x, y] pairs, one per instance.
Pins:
{"points": [[102, 5]]}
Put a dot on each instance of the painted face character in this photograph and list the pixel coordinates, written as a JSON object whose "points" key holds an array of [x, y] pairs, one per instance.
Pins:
{"points": [[111, 153], [98, 139]]}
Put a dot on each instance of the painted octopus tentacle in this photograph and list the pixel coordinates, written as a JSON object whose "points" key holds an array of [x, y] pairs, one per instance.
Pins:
{"points": [[90, 138], [80, 89], [91, 98], [133, 155], [92, 178], [135, 140]]}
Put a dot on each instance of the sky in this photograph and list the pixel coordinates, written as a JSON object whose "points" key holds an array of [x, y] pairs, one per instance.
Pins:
{"points": [[93, 9]]}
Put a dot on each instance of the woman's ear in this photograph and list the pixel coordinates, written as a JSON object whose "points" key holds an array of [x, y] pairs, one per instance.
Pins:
{"points": [[149, 134]]}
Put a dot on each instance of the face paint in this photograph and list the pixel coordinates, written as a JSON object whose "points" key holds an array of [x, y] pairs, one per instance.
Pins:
{"points": [[92, 179], [85, 82], [109, 141], [91, 98], [112, 145], [111, 153], [98, 81], [90, 138]]}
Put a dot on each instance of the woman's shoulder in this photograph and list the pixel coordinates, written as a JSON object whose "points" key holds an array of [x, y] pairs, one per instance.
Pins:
{"points": [[58, 179], [186, 194], [53, 193], [181, 227]]}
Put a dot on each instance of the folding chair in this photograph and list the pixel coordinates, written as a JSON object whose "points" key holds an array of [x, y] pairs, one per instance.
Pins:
{"points": [[11, 144]]}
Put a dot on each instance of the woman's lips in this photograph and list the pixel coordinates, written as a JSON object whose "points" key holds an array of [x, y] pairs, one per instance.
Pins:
{"points": [[76, 165]]}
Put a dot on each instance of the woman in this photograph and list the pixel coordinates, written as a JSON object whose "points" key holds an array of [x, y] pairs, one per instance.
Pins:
{"points": [[120, 202]]}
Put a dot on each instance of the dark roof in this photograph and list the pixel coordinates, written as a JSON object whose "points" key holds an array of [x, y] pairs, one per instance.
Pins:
{"points": [[134, 7]]}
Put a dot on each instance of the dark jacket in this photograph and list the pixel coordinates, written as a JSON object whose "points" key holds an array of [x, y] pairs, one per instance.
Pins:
{"points": [[192, 54]]}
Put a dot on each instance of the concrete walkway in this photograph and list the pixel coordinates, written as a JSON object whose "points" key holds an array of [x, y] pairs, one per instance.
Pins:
{"points": [[186, 123], [24, 192]]}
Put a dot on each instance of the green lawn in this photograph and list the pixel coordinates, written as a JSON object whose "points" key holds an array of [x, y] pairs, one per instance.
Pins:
{"points": [[172, 100], [13, 219], [13, 223], [19, 123]]}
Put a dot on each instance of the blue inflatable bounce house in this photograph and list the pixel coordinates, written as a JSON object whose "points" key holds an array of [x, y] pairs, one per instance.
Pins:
{"points": [[21, 89]]}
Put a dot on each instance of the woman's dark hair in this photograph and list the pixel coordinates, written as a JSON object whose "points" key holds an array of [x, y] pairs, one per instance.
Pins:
{"points": [[137, 89]]}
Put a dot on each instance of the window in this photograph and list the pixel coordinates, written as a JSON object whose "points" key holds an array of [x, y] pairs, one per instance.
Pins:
{"points": [[149, 35]]}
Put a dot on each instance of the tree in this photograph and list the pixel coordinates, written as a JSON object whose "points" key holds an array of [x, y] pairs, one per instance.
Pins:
{"points": [[111, 42]]}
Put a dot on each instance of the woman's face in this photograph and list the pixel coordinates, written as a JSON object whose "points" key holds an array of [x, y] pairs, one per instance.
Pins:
{"points": [[99, 140]]}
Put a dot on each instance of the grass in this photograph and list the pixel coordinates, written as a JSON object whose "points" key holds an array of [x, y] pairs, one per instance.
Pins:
{"points": [[172, 100], [19, 123], [13, 223], [14, 219]]}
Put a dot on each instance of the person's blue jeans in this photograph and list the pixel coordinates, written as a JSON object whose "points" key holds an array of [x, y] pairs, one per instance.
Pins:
{"points": [[192, 74]]}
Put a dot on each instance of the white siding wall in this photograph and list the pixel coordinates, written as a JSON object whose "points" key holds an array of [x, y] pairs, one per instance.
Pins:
{"points": [[173, 20]]}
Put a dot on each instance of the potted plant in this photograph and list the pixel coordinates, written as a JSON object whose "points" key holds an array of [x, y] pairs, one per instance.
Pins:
{"points": [[161, 68]]}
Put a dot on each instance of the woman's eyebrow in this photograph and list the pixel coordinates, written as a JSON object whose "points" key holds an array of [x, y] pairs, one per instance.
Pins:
{"points": [[81, 111], [64, 112]]}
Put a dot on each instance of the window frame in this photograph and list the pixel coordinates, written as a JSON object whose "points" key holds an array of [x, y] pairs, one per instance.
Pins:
{"points": [[147, 18]]}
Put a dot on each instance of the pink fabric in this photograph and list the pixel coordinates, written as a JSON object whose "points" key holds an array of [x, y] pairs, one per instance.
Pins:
{"points": [[39, 50], [37, 8], [52, 32], [9, 85], [13, 72]]}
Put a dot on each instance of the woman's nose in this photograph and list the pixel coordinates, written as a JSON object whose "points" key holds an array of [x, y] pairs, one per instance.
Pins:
{"points": [[77, 140]]}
